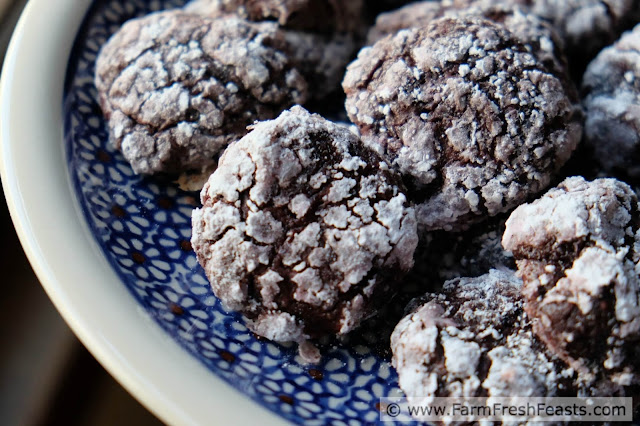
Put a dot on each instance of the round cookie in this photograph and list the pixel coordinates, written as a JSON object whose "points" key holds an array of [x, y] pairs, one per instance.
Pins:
{"points": [[305, 15], [474, 121], [577, 250], [611, 91], [177, 89], [474, 339], [303, 229]]}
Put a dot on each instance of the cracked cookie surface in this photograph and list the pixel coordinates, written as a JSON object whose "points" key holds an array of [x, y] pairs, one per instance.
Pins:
{"points": [[303, 229], [577, 250], [471, 253], [177, 89], [474, 121], [474, 339], [536, 34]]}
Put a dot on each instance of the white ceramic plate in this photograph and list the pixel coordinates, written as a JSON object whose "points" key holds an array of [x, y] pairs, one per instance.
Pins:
{"points": [[72, 268]]}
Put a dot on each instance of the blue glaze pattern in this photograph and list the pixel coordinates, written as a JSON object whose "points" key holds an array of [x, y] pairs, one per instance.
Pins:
{"points": [[143, 226]]}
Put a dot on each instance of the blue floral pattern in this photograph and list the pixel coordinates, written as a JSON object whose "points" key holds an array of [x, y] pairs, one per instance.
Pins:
{"points": [[143, 226]]}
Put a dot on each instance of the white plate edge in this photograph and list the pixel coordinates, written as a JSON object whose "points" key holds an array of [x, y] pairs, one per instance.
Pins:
{"points": [[175, 386]]}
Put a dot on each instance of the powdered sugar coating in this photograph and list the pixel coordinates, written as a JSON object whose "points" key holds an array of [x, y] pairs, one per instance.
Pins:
{"points": [[177, 88], [584, 26], [303, 229], [611, 89], [474, 339], [536, 34], [467, 113], [305, 15], [320, 32], [577, 252]]}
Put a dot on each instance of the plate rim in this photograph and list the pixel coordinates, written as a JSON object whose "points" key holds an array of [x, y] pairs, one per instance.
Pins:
{"points": [[145, 360]]}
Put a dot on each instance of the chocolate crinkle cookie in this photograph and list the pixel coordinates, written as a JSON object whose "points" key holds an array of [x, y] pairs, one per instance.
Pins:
{"points": [[177, 89], [322, 33], [473, 119], [611, 90], [577, 250], [413, 15], [473, 339], [303, 229], [305, 15]]}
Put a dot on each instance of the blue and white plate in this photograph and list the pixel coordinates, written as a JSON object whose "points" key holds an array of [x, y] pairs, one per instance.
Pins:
{"points": [[112, 250]]}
